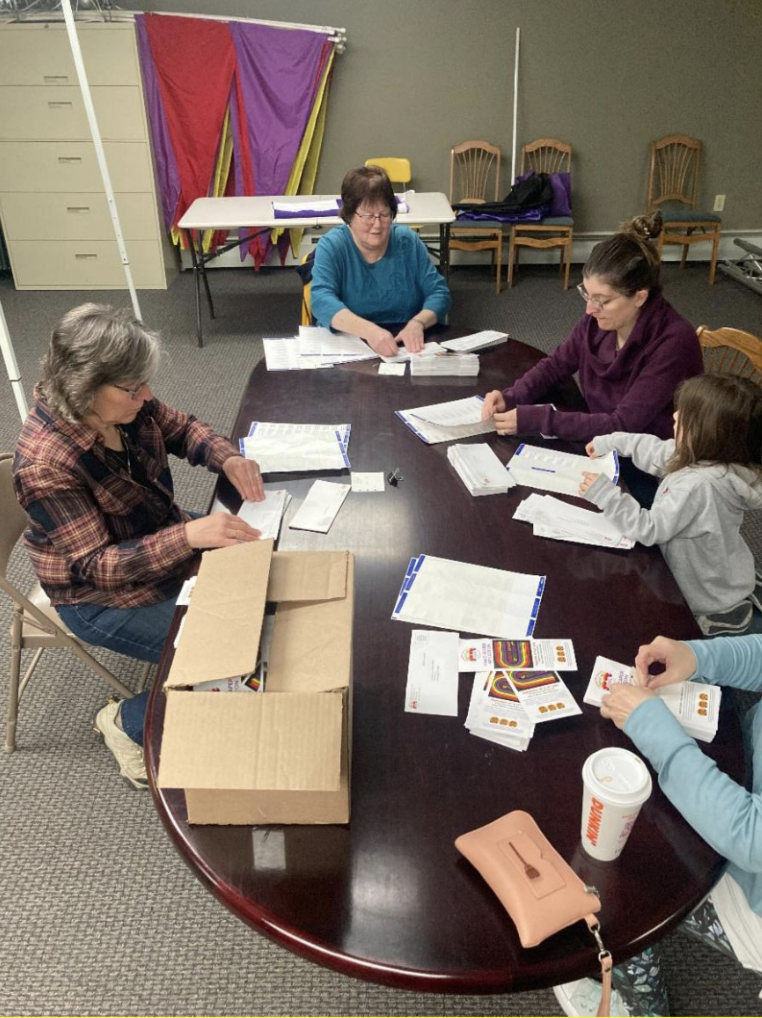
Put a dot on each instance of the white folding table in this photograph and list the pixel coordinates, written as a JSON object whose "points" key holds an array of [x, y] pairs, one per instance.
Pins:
{"points": [[256, 214]]}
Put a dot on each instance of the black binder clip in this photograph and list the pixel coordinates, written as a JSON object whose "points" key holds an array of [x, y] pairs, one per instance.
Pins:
{"points": [[394, 477]]}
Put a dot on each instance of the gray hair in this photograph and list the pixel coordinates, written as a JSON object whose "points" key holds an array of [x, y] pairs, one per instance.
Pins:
{"points": [[91, 346]]}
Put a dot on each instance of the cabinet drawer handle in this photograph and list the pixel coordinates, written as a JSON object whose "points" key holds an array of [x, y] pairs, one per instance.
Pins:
{"points": [[70, 159], [77, 208], [63, 104], [84, 256], [55, 77]]}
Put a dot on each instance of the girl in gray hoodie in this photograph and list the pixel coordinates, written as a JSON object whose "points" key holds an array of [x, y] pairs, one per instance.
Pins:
{"points": [[711, 474]]}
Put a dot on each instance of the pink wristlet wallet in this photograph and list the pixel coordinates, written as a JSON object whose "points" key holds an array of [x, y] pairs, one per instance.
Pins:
{"points": [[539, 890]]}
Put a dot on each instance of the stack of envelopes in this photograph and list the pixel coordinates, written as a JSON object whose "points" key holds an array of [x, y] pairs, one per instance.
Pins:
{"points": [[480, 469]]}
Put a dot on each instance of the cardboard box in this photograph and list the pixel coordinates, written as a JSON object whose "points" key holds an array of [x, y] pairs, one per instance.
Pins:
{"points": [[281, 756]]}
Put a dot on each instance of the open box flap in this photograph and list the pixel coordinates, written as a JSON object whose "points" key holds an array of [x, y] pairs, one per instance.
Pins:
{"points": [[220, 637], [308, 575]]}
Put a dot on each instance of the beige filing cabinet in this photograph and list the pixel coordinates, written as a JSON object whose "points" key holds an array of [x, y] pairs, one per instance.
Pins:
{"points": [[53, 207]]}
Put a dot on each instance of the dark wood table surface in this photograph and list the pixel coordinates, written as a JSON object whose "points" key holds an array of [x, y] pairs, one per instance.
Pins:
{"points": [[387, 897]]}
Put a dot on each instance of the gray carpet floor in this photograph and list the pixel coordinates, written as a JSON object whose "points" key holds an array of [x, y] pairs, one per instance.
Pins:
{"points": [[100, 916]]}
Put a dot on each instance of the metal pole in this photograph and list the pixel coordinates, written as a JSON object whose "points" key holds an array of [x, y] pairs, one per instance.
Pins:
{"points": [[515, 105], [87, 98], [11, 365]]}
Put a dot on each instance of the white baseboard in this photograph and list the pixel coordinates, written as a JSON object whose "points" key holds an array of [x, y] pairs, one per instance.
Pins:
{"points": [[582, 245]]}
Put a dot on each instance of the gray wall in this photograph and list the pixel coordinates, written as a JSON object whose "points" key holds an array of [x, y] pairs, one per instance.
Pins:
{"points": [[421, 75]]}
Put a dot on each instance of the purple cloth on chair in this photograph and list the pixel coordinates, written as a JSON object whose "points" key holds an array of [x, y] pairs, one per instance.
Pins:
{"points": [[561, 184]]}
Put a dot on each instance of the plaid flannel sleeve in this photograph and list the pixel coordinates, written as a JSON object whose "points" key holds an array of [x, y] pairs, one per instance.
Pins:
{"points": [[69, 540], [188, 438]]}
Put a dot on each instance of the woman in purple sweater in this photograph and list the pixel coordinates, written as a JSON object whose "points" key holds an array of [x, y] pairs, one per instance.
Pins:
{"points": [[632, 350]]}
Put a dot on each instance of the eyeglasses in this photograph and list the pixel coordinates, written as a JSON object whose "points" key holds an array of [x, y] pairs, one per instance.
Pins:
{"points": [[598, 304], [133, 391], [368, 217]]}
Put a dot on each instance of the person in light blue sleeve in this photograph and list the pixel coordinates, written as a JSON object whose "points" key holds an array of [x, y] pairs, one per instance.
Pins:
{"points": [[373, 278], [724, 813]]}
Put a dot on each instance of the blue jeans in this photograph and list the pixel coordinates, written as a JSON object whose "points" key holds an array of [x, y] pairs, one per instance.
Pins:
{"points": [[136, 632]]}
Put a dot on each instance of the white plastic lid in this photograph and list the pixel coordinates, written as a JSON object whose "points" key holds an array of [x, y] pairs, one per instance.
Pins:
{"points": [[617, 775]]}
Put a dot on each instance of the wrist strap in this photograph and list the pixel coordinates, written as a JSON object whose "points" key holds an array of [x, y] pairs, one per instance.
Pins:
{"points": [[604, 957]]}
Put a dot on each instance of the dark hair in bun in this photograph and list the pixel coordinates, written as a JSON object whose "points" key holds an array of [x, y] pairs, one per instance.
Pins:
{"points": [[629, 260]]}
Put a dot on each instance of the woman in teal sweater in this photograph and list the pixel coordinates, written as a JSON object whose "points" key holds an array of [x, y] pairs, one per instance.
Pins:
{"points": [[724, 813], [372, 278]]}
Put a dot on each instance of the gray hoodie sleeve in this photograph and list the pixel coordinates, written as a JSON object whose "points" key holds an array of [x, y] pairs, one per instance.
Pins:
{"points": [[647, 452], [675, 510]]}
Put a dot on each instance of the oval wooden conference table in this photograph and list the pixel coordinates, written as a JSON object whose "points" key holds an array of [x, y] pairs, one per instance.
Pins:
{"points": [[387, 897]]}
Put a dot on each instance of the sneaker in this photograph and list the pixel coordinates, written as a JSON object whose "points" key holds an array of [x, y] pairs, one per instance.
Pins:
{"points": [[129, 755], [735, 620], [583, 997]]}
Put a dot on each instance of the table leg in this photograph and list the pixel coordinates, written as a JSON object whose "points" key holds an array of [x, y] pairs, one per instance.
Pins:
{"points": [[196, 285], [444, 250]]}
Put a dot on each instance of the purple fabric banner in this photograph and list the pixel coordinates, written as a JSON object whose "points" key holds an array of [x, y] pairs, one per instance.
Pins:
{"points": [[166, 164], [278, 73]]}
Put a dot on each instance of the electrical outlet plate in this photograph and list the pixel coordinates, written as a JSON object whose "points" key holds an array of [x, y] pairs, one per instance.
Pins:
{"points": [[719, 203]]}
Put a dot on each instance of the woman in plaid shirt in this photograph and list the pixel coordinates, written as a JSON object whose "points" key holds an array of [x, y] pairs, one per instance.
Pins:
{"points": [[107, 540]]}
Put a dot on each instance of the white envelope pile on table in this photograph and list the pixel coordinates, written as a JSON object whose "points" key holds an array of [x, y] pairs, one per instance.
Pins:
{"points": [[480, 469], [476, 341], [562, 472], [455, 364], [558, 520], [287, 448]]}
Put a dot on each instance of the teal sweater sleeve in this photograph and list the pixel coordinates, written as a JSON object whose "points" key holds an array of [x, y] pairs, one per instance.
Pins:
{"points": [[723, 812]]}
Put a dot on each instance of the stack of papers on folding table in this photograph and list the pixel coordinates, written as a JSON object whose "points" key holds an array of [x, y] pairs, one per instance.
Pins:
{"points": [[480, 469], [696, 705], [558, 520]]}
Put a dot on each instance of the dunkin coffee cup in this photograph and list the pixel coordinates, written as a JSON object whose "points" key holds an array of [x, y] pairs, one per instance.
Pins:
{"points": [[616, 783]]}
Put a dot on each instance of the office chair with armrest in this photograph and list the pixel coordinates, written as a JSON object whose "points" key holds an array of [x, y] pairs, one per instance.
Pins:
{"points": [[731, 352], [35, 624], [475, 177], [673, 181], [545, 155]]}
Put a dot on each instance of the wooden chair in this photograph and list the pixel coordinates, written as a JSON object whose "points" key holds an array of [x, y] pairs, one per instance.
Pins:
{"points": [[35, 624], [673, 181], [731, 352], [546, 155], [475, 177]]}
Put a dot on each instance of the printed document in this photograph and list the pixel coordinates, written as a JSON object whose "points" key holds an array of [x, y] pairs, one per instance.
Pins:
{"points": [[468, 598], [476, 341], [432, 673], [485, 655], [266, 516], [558, 520], [463, 409], [286, 448], [558, 471], [495, 714]]}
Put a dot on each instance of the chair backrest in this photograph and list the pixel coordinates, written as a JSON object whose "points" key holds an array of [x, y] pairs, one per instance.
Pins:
{"points": [[13, 519], [474, 172], [673, 173], [731, 352], [397, 169], [546, 155]]}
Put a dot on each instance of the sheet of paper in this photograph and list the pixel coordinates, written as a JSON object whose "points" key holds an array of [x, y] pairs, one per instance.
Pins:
{"points": [[453, 413], [315, 341], [368, 481], [282, 354], [266, 516], [285, 448], [468, 598], [562, 472], [434, 433], [318, 511], [543, 695], [553, 518], [183, 598], [432, 673], [392, 369], [486, 655]]}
